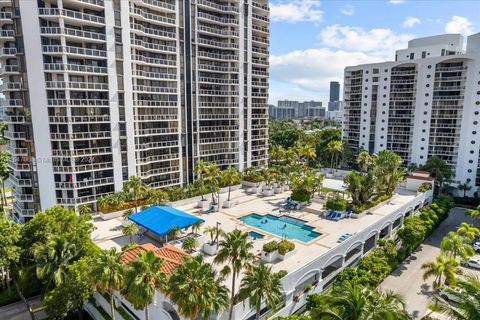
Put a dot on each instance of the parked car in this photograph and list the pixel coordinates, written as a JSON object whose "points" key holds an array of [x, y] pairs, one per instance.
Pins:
{"points": [[472, 263], [447, 294], [476, 246]]}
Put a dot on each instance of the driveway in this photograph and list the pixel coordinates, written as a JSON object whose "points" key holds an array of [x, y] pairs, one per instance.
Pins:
{"points": [[407, 278], [19, 311]]}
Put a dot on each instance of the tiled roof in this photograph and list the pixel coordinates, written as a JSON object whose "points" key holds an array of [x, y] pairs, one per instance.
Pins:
{"points": [[172, 256]]}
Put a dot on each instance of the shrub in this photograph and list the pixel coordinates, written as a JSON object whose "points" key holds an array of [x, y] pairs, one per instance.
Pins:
{"points": [[300, 195], [337, 204], [282, 273], [270, 246], [285, 246], [425, 187]]}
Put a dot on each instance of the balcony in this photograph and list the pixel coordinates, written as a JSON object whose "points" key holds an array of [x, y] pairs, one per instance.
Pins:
{"points": [[17, 151], [142, 59], [260, 18], [159, 4], [78, 200], [83, 168], [214, 19], [20, 182], [79, 119], [12, 103], [261, 29], [21, 211], [151, 132], [19, 167], [153, 32], [159, 158], [74, 68], [22, 197], [7, 35], [149, 89], [74, 51], [217, 7], [71, 14], [5, 16], [217, 31], [151, 103], [84, 183], [221, 57], [152, 46], [209, 152], [8, 52], [76, 85], [78, 102], [260, 6], [217, 128], [11, 86], [215, 68], [14, 119], [214, 80], [155, 145], [9, 69], [68, 32], [217, 93], [159, 171], [155, 75], [97, 3], [82, 152], [217, 44], [155, 18], [156, 117], [81, 135]]}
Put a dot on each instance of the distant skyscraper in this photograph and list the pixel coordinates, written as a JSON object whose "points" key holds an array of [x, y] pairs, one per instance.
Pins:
{"points": [[290, 109], [334, 91]]}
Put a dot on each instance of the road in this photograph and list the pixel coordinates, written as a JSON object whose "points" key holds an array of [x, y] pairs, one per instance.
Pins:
{"points": [[407, 278], [19, 311]]}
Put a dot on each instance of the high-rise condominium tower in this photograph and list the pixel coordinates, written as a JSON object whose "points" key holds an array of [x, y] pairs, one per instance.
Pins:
{"points": [[424, 104], [100, 90]]}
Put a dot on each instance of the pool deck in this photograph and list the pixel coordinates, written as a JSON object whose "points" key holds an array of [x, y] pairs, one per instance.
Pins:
{"points": [[108, 233]]}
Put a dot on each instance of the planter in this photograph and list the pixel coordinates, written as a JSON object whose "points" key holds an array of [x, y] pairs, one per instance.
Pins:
{"points": [[287, 255], [249, 184], [277, 190], [203, 204], [210, 248], [256, 190], [286, 187], [268, 192], [228, 204], [111, 215], [223, 190], [269, 256]]}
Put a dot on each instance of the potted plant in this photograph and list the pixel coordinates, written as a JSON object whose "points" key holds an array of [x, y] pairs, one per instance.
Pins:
{"points": [[270, 175], [252, 178], [212, 180], [285, 249], [270, 251], [211, 247], [200, 170], [228, 178]]}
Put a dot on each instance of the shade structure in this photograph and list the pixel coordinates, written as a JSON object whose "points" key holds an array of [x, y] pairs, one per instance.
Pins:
{"points": [[161, 219]]}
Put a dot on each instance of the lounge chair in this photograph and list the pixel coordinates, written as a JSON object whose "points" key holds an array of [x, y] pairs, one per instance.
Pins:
{"points": [[210, 210]]}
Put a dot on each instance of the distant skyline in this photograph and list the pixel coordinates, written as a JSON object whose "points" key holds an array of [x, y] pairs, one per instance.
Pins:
{"points": [[312, 41]]}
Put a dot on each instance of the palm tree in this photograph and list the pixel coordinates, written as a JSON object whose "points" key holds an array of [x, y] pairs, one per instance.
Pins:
{"points": [[464, 187], [214, 233], [305, 152], [53, 258], [468, 230], [212, 177], [4, 173], [277, 154], [200, 169], [235, 251], [388, 172], [157, 197], [457, 245], [197, 291], [143, 278], [108, 274], [353, 302], [260, 283], [196, 227], [441, 267], [468, 294], [189, 244], [229, 177], [364, 160], [84, 210], [130, 229], [135, 184], [127, 213], [335, 148], [174, 232]]}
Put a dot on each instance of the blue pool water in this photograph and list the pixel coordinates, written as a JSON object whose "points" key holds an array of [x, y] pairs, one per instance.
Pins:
{"points": [[255, 235], [283, 226]]}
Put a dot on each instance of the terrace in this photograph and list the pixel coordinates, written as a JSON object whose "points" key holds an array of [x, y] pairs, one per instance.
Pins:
{"points": [[316, 260]]}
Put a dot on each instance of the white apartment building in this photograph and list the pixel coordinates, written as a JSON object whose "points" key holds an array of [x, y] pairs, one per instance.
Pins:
{"points": [[100, 90], [425, 103]]}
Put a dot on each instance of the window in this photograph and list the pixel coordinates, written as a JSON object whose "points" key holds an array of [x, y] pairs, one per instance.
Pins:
{"points": [[412, 56], [424, 54]]}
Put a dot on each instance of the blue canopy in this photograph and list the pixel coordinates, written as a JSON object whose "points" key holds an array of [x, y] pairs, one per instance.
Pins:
{"points": [[160, 220]]}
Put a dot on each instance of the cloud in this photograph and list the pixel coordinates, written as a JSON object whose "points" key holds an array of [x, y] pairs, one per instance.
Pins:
{"points": [[459, 25], [381, 41], [296, 11], [348, 10], [397, 1], [306, 74], [410, 22]]}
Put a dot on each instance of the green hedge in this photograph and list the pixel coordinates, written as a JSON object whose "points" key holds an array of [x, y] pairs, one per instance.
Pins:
{"points": [[270, 246], [285, 246], [337, 204], [300, 195]]}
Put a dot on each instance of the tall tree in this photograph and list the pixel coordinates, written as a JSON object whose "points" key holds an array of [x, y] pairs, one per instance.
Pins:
{"points": [[353, 302], [335, 148], [469, 231], [212, 179], [464, 187], [439, 169], [9, 247], [442, 267], [364, 160], [260, 283], [457, 245], [197, 290], [130, 229], [53, 258], [387, 171], [143, 278], [136, 186], [4, 174], [108, 274], [200, 170], [361, 187], [228, 178], [235, 251]]}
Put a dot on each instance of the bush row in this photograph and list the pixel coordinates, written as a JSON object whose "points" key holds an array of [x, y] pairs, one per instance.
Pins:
{"points": [[283, 246], [377, 265]]}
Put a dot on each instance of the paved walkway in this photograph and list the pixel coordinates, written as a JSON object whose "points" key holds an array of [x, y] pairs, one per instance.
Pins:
{"points": [[407, 278], [19, 311]]}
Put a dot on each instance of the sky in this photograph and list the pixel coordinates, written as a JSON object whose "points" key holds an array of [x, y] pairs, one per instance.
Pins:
{"points": [[312, 41]]}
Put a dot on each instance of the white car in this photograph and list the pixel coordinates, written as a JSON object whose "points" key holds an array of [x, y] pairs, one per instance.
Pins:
{"points": [[472, 263], [447, 294], [476, 246]]}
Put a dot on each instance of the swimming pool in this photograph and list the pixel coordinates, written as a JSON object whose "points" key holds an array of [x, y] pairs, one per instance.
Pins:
{"points": [[255, 235], [283, 226]]}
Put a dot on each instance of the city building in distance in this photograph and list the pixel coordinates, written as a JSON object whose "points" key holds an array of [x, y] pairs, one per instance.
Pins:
{"points": [[425, 103], [97, 91], [291, 109]]}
